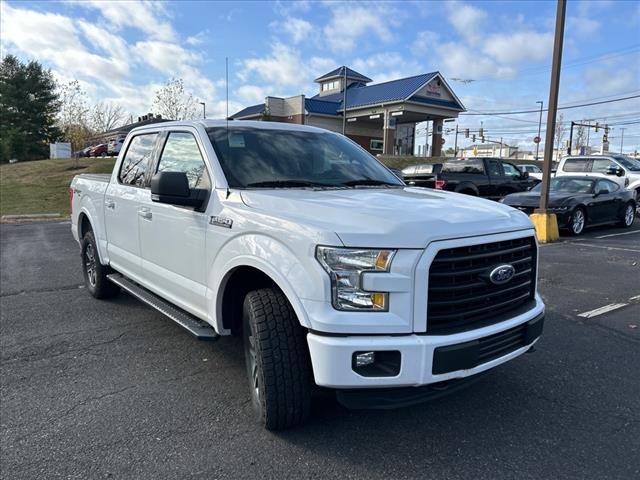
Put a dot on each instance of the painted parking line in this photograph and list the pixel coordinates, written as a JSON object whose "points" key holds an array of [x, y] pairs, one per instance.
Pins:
{"points": [[606, 248], [618, 234], [601, 310]]}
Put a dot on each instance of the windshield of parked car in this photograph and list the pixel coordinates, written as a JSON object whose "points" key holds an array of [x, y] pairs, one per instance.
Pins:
{"points": [[628, 162], [270, 158], [567, 185]]}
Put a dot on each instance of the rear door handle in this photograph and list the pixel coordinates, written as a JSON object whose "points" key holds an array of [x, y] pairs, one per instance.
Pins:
{"points": [[110, 204], [145, 213]]}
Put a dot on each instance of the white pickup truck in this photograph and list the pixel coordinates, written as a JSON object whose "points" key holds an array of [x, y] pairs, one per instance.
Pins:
{"points": [[334, 272]]}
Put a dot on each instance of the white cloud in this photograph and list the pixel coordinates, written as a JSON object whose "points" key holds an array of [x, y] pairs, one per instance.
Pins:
{"points": [[519, 47], [458, 60], [250, 94], [467, 20], [197, 39], [297, 28], [425, 42], [284, 68], [147, 16], [582, 27], [383, 67], [349, 22]]}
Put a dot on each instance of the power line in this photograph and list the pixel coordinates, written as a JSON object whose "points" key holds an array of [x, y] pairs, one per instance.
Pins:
{"points": [[559, 108]]}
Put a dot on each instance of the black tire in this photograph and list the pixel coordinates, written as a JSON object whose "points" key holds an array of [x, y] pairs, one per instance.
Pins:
{"points": [[277, 360], [628, 215], [574, 225], [95, 274]]}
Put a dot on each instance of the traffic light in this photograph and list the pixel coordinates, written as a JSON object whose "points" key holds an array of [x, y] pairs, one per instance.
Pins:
{"points": [[481, 132], [466, 133], [597, 127], [482, 138], [605, 138], [473, 138], [606, 129]]}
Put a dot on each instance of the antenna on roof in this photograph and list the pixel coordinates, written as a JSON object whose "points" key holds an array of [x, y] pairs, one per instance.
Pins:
{"points": [[226, 83]]}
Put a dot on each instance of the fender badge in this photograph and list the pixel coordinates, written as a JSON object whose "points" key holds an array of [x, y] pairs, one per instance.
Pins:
{"points": [[221, 222]]}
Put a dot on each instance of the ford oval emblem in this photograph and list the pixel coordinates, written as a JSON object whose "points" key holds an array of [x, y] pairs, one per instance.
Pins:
{"points": [[502, 274]]}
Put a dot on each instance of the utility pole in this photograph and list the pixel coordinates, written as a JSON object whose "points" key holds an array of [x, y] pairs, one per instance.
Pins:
{"points": [[500, 147], [539, 127], [204, 110], [621, 138], [546, 225]]}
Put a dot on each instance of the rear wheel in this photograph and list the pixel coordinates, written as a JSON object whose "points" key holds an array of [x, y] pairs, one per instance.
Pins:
{"points": [[628, 215], [577, 221], [95, 274], [277, 360]]}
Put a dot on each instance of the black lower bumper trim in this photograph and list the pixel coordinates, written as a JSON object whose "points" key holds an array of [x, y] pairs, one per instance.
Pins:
{"points": [[390, 398], [463, 356]]}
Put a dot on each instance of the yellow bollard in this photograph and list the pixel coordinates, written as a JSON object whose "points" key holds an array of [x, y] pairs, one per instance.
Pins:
{"points": [[546, 227]]}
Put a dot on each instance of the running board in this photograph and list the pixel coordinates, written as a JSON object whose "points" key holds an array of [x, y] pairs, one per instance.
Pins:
{"points": [[194, 325]]}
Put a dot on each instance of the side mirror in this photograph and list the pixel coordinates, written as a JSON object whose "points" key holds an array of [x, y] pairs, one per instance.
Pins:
{"points": [[173, 188], [604, 191], [615, 170], [524, 175]]}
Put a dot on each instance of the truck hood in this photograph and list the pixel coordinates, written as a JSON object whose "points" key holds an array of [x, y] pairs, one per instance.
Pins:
{"points": [[408, 217]]}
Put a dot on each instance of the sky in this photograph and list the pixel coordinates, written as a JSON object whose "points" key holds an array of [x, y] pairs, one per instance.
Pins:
{"points": [[495, 55]]}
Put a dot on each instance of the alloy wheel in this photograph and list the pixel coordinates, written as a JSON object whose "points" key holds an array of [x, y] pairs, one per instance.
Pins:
{"points": [[90, 264], [628, 215], [577, 222]]}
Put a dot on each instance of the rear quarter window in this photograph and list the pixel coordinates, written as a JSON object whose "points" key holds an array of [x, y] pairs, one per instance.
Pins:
{"points": [[470, 165], [577, 165]]}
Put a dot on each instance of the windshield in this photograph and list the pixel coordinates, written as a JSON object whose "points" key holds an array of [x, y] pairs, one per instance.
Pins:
{"points": [[268, 158], [567, 185], [628, 163]]}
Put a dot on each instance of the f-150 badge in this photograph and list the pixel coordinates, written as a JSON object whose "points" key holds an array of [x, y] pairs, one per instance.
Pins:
{"points": [[221, 222]]}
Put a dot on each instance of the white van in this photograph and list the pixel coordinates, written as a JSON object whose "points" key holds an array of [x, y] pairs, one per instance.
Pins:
{"points": [[623, 170]]}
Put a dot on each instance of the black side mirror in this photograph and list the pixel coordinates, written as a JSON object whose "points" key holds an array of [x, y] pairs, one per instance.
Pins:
{"points": [[525, 175], [603, 191], [173, 188], [615, 170]]}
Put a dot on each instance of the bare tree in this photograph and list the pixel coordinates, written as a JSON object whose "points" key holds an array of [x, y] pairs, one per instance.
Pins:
{"points": [[559, 134], [579, 138], [73, 119], [174, 102], [106, 116]]}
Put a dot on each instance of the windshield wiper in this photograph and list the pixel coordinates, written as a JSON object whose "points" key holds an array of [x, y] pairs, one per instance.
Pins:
{"points": [[287, 184], [369, 182]]}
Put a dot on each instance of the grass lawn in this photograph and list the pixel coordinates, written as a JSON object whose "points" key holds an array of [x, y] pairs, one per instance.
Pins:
{"points": [[42, 186]]}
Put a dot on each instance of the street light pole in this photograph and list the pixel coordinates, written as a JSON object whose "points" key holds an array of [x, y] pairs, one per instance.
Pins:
{"points": [[622, 139], [204, 110], [455, 143], [539, 128]]}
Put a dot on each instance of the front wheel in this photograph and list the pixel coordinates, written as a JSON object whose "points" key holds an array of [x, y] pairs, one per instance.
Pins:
{"points": [[95, 274], [628, 216], [577, 221], [277, 360]]}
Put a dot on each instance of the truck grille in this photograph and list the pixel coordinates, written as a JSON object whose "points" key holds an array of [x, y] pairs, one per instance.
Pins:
{"points": [[462, 297]]}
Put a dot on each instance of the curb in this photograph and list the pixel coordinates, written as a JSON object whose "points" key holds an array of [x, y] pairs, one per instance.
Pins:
{"points": [[32, 217]]}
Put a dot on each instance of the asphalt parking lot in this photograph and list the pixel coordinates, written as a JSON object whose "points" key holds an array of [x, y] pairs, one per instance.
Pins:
{"points": [[94, 389]]}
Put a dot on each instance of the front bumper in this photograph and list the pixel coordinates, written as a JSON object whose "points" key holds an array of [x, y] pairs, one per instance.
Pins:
{"points": [[423, 357]]}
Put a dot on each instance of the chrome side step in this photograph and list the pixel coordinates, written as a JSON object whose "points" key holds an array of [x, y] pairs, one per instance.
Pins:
{"points": [[194, 325]]}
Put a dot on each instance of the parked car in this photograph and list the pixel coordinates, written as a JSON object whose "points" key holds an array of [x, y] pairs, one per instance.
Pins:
{"points": [[484, 177], [114, 145], [99, 150], [623, 170], [581, 202], [333, 271], [533, 171]]}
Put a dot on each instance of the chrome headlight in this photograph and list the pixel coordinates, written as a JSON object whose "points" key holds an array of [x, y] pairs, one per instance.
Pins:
{"points": [[345, 267]]}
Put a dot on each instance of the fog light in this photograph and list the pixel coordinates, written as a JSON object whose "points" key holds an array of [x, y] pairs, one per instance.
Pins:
{"points": [[365, 358]]}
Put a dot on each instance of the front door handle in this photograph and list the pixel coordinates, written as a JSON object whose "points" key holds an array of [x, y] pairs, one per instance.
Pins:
{"points": [[110, 204], [145, 213]]}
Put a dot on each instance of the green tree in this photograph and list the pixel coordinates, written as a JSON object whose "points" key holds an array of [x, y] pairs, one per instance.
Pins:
{"points": [[174, 102], [28, 108]]}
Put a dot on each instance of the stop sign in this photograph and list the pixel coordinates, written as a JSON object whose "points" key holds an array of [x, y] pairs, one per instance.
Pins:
{"points": [[536, 139]]}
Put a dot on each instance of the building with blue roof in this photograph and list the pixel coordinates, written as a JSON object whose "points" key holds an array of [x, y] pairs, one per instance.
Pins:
{"points": [[381, 117]]}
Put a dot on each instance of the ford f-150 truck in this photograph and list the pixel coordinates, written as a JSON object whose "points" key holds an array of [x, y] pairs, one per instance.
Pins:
{"points": [[335, 273]]}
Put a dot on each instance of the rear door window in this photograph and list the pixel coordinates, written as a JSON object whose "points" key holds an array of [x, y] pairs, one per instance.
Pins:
{"points": [[495, 170], [468, 165], [577, 165], [137, 159], [510, 170], [601, 165]]}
